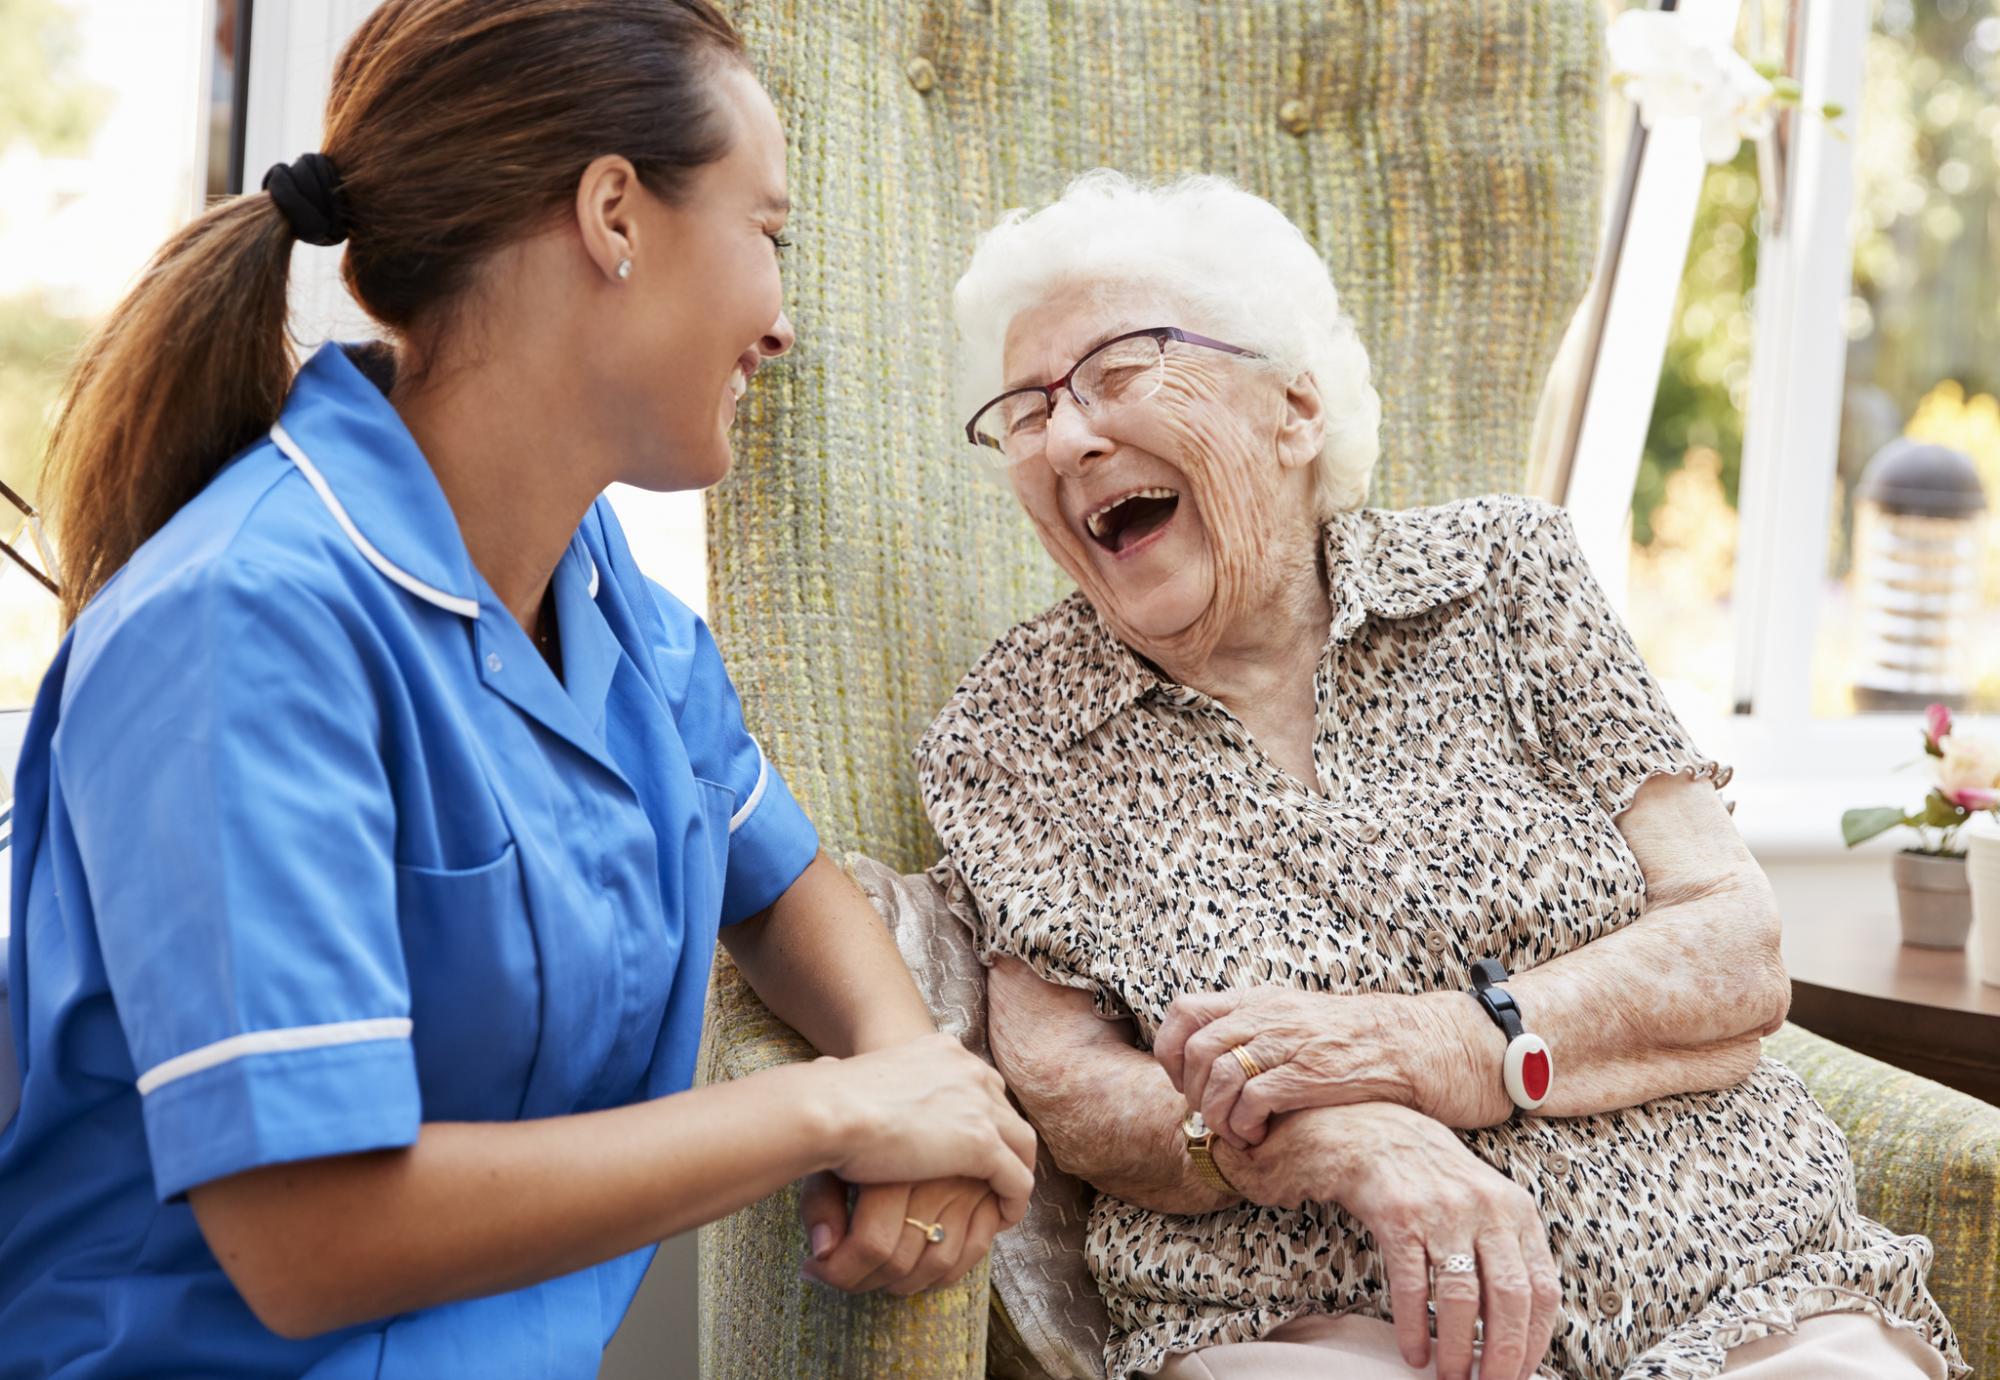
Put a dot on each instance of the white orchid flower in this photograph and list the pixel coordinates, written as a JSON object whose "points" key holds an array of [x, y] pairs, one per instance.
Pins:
{"points": [[1672, 70]]}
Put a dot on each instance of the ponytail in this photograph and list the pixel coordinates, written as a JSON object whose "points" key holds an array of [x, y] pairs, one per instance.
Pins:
{"points": [[191, 367], [457, 126]]}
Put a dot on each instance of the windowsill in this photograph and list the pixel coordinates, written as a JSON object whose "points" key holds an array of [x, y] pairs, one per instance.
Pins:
{"points": [[1793, 784]]}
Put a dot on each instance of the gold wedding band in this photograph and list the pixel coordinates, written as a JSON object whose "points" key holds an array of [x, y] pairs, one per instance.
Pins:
{"points": [[1250, 1069], [933, 1231]]}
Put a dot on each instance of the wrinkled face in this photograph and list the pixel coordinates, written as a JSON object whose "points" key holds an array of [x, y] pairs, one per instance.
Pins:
{"points": [[1171, 513], [704, 309]]}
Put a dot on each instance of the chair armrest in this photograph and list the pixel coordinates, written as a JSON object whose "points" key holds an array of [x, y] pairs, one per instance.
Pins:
{"points": [[1926, 1160], [758, 1318]]}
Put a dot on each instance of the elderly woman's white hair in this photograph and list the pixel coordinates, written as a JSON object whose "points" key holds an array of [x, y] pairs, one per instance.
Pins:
{"points": [[1233, 257]]}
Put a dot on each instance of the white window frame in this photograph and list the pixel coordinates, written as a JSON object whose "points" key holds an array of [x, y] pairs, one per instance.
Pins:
{"points": [[1795, 773]]}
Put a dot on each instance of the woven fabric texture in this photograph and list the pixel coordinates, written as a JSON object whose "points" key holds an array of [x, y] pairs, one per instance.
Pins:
{"points": [[1443, 154], [1926, 1161]]}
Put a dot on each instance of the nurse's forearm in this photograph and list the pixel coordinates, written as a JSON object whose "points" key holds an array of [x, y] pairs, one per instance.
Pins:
{"points": [[824, 963], [481, 1208]]}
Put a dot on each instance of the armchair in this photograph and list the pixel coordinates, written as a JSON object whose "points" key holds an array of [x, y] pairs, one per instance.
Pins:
{"points": [[1444, 154]]}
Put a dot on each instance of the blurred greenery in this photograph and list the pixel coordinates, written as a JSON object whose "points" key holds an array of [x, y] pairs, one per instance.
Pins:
{"points": [[38, 101], [1705, 378], [44, 105], [1926, 233]]}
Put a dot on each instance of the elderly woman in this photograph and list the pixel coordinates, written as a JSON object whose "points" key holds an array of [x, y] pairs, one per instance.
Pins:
{"points": [[1364, 927]]}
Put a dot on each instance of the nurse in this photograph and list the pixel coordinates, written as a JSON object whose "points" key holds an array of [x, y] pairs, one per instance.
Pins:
{"points": [[378, 818]]}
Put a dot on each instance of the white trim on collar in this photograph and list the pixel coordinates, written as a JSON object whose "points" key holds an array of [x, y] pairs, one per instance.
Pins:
{"points": [[593, 571], [451, 603]]}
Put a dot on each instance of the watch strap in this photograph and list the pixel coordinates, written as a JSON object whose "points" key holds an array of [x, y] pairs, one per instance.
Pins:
{"points": [[1526, 1068], [1201, 1153]]}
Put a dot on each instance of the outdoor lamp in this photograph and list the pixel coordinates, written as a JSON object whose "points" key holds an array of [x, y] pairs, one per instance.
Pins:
{"points": [[1916, 573]]}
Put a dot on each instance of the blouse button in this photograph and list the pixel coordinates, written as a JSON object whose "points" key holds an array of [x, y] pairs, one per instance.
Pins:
{"points": [[1609, 1305], [1436, 941], [1557, 1163], [1369, 832], [493, 662]]}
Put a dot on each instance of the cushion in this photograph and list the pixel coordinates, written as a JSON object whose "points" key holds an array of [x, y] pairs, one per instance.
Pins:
{"points": [[1052, 1321]]}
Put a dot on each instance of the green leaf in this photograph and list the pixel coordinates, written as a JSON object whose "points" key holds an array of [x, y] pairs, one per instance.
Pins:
{"points": [[1859, 826], [1940, 813], [1833, 110], [1786, 88], [1767, 68]]}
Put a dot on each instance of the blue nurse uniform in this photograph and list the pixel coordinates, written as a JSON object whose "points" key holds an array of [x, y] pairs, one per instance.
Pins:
{"points": [[311, 847]]}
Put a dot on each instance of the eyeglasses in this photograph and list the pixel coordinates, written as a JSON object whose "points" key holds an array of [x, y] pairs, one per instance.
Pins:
{"points": [[31, 524], [1125, 369]]}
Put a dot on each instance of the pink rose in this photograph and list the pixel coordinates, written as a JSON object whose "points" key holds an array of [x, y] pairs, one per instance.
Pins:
{"points": [[1975, 798], [1937, 725]]}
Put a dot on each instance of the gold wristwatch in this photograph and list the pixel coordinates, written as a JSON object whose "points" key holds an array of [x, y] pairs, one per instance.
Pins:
{"points": [[1201, 1150]]}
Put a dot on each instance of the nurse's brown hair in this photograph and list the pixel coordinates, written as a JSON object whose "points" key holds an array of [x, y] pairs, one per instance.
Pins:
{"points": [[456, 126]]}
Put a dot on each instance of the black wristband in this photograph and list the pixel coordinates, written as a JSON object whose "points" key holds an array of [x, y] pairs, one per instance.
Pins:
{"points": [[1526, 1068], [1487, 975]]}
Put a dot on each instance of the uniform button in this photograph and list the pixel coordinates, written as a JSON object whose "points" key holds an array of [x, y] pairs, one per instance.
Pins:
{"points": [[1294, 116], [1436, 941], [493, 662], [922, 75], [1557, 1163]]}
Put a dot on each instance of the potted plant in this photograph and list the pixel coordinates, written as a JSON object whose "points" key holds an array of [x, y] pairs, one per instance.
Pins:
{"points": [[1932, 894]]}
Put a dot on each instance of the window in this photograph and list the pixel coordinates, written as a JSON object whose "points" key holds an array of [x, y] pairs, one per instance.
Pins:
{"points": [[1910, 610], [98, 152]]}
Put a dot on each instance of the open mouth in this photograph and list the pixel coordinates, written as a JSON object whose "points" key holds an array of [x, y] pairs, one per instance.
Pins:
{"points": [[1124, 523]]}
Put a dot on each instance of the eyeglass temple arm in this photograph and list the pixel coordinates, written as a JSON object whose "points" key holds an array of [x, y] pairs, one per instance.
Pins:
{"points": [[1190, 338]]}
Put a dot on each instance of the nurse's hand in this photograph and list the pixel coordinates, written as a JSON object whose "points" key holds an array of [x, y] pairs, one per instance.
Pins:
{"points": [[926, 1110], [876, 1247]]}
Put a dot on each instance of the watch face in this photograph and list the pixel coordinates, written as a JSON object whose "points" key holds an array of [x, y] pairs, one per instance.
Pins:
{"points": [[1193, 1126]]}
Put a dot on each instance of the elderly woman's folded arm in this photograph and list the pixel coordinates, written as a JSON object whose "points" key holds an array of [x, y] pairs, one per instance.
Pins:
{"points": [[1104, 1109], [1676, 1002]]}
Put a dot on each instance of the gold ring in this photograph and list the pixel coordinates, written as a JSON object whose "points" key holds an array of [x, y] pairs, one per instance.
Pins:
{"points": [[933, 1231], [1250, 1069]]}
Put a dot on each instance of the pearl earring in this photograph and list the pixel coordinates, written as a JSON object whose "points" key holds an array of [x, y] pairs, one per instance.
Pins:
{"points": [[624, 269]]}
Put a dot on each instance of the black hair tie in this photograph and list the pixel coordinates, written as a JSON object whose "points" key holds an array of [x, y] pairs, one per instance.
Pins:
{"points": [[308, 193]]}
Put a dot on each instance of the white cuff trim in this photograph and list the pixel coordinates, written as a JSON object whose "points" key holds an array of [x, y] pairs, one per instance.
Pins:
{"points": [[272, 1042], [737, 820]]}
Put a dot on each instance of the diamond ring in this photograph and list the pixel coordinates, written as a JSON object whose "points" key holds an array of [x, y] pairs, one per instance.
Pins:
{"points": [[1458, 1265]]}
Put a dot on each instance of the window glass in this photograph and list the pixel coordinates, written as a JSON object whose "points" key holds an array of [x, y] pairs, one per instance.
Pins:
{"points": [[1684, 502], [99, 142], [1911, 607]]}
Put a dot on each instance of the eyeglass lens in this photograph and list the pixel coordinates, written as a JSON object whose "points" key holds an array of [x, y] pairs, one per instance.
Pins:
{"points": [[1121, 372]]}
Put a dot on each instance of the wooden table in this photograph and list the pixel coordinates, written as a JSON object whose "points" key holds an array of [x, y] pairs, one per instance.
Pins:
{"points": [[1924, 1010]]}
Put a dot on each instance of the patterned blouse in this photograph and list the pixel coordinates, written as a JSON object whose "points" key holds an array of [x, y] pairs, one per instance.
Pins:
{"points": [[1483, 717]]}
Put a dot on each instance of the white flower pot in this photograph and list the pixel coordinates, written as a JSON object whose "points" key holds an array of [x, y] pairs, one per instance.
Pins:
{"points": [[1934, 900]]}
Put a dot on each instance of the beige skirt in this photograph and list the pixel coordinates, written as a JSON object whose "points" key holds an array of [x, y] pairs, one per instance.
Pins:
{"points": [[1829, 1346]]}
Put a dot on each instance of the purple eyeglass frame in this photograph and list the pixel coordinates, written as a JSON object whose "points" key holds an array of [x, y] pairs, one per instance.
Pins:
{"points": [[1161, 334]]}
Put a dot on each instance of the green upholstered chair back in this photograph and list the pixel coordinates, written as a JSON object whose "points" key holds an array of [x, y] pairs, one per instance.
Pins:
{"points": [[1443, 154]]}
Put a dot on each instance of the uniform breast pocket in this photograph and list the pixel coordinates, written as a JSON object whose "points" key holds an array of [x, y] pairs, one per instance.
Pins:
{"points": [[475, 986]]}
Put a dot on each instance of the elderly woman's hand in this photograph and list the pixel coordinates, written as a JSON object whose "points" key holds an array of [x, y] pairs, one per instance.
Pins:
{"points": [[1425, 1198], [1311, 1050]]}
